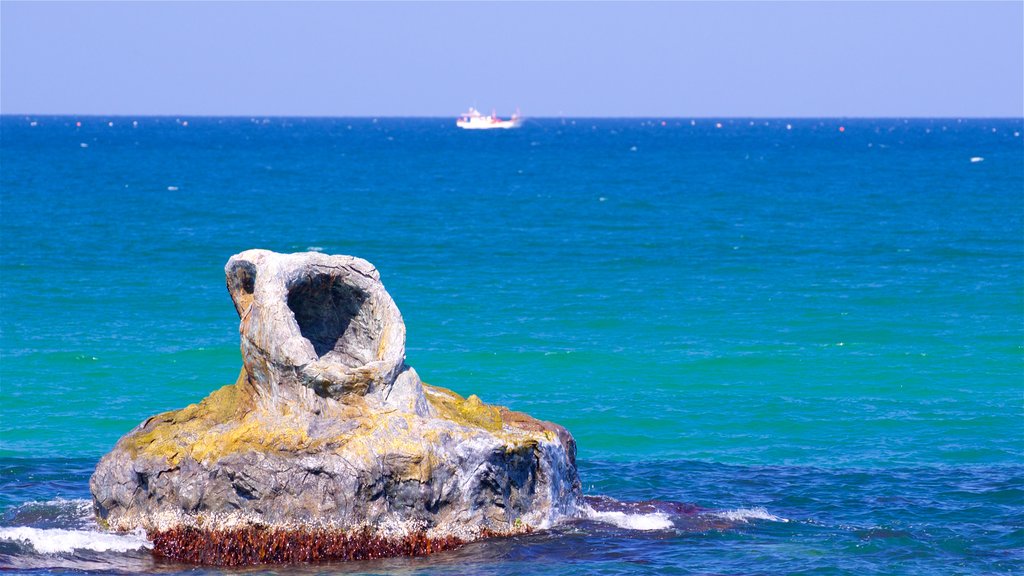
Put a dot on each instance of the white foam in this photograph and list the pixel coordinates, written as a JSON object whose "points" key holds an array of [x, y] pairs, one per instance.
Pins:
{"points": [[83, 505], [651, 521], [56, 540], [748, 514]]}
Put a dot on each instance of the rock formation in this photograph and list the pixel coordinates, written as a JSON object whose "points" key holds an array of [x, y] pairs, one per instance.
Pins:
{"points": [[328, 445]]}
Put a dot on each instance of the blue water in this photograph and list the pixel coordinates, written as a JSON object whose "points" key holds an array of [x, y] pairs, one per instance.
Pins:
{"points": [[815, 336]]}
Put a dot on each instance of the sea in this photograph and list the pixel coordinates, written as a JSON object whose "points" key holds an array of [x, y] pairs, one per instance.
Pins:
{"points": [[784, 346]]}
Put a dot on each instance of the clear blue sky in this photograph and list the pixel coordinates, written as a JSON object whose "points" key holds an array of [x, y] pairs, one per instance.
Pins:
{"points": [[574, 59]]}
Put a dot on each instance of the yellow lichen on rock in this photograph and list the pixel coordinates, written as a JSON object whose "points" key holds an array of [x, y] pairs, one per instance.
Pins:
{"points": [[407, 453], [171, 434], [259, 432], [229, 421], [465, 411]]}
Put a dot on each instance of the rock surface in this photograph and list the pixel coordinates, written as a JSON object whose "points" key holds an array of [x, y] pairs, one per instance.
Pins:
{"points": [[327, 431]]}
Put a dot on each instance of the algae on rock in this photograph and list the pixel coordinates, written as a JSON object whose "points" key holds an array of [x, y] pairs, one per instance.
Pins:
{"points": [[327, 426]]}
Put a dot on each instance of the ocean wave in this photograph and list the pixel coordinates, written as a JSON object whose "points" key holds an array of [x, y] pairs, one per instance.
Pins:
{"points": [[58, 501], [59, 540], [82, 505], [630, 521], [748, 514], [56, 513]]}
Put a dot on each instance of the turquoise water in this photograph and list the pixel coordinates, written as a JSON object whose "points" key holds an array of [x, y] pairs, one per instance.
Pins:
{"points": [[814, 335]]}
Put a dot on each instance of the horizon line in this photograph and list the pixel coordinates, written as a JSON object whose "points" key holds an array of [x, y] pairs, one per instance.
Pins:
{"points": [[538, 117]]}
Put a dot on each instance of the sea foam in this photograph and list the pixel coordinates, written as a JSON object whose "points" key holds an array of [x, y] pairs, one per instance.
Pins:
{"points": [[748, 514], [58, 540], [635, 521]]}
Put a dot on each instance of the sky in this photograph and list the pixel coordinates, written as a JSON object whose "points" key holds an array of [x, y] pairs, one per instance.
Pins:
{"points": [[680, 59]]}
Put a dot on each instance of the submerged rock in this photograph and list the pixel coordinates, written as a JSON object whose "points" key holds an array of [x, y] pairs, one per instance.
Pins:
{"points": [[328, 445]]}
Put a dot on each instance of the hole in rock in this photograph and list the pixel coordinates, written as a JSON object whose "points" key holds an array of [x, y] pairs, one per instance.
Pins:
{"points": [[243, 278], [336, 318], [241, 284]]}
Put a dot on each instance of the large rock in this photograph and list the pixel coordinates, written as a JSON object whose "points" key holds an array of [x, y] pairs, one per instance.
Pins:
{"points": [[328, 445]]}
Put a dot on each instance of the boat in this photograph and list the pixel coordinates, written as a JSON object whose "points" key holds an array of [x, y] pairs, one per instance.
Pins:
{"points": [[474, 120]]}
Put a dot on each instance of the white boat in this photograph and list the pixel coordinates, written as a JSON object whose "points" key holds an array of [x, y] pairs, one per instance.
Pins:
{"points": [[474, 120]]}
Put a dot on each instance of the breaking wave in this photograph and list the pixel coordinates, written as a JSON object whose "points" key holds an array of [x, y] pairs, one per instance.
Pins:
{"points": [[59, 540], [748, 514], [646, 515], [634, 521], [649, 515], [62, 534]]}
